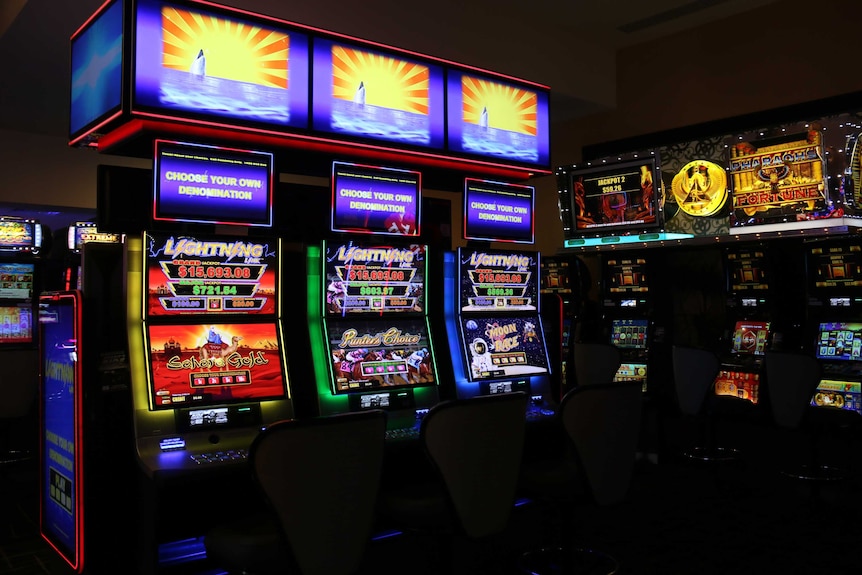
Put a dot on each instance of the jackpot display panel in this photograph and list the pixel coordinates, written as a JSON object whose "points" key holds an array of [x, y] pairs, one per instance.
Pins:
{"points": [[494, 326], [205, 335], [367, 320]]}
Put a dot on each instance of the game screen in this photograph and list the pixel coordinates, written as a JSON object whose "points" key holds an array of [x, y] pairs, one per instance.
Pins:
{"points": [[209, 364], [374, 200], [494, 211], [629, 333], [616, 198], [747, 271], [497, 119], [741, 384], [220, 65], [373, 278], [629, 371], [188, 274], [20, 235], [839, 341], [498, 347], [377, 94], [97, 70], [835, 268], [16, 310], [750, 338], [369, 355], [626, 276], [210, 184], [498, 281], [778, 177], [60, 406], [837, 394]]}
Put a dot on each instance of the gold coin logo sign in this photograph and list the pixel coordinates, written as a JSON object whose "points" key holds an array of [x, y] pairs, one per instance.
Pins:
{"points": [[700, 188]]}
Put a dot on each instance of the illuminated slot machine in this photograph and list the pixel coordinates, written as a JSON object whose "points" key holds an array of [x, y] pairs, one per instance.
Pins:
{"points": [[20, 247], [205, 339], [626, 299], [740, 372], [495, 330], [834, 273], [79, 234], [748, 281], [371, 341], [560, 294], [839, 348]]}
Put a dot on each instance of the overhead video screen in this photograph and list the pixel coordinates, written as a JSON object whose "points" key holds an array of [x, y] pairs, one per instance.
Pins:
{"points": [[498, 281], [188, 274], [497, 119], [97, 70], [210, 184], [375, 200], [496, 211], [377, 94], [214, 64]]}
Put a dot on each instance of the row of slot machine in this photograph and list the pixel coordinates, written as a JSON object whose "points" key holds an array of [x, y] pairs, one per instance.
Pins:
{"points": [[804, 297], [220, 330]]}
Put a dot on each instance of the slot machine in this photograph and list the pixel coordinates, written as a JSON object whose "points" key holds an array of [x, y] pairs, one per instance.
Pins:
{"points": [[626, 282], [206, 353], [493, 316], [834, 270], [561, 300], [750, 280], [78, 234], [20, 269], [371, 340]]}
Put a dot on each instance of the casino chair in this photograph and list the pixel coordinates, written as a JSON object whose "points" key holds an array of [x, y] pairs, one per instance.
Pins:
{"points": [[792, 379], [595, 363], [320, 478], [475, 448], [601, 424], [694, 374]]}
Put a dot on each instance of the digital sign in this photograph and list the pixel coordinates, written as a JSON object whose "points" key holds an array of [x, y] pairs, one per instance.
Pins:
{"points": [[376, 94], [626, 276], [750, 337], [498, 281], [209, 364], [373, 278], [747, 271], [835, 268], [97, 70], [780, 178], [497, 119], [61, 518], [219, 65], [375, 200], [616, 198], [210, 275], [501, 346], [496, 211], [375, 355], [209, 184]]}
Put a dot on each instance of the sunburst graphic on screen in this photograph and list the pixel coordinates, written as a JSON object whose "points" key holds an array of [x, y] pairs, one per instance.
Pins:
{"points": [[379, 80], [499, 106], [208, 45]]}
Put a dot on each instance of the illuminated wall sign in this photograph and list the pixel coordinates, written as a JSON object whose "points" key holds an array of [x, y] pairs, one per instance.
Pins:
{"points": [[700, 188]]}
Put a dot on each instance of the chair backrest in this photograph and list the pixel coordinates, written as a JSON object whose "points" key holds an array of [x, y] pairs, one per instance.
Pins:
{"points": [[595, 363], [792, 379], [321, 477], [694, 373], [603, 423], [477, 445]]}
